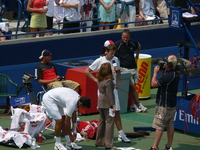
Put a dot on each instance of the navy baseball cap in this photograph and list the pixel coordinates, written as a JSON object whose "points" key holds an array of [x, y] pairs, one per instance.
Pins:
{"points": [[45, 53]]}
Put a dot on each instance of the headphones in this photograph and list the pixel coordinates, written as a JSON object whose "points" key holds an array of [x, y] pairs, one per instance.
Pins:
{"points": [[170, 64]]}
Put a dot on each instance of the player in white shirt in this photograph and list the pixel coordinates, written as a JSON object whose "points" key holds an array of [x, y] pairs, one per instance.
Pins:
{"points": [[57, 99]]}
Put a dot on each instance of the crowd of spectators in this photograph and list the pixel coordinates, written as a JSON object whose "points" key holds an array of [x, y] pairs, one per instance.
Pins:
{"points": [[64, 14], [71, 13]]}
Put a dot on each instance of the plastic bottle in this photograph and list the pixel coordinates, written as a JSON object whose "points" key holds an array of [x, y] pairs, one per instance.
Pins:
{"points": [[33, 143], [40, 138]]}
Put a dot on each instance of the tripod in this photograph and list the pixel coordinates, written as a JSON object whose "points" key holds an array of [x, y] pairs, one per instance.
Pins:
{"points": [[26, 80]]}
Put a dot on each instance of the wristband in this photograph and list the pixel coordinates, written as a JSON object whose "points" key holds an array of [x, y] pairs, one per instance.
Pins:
{"points": [[74, 128]]}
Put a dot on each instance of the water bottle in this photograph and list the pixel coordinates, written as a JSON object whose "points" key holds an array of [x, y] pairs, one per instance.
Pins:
{"points": [[33, 143]]}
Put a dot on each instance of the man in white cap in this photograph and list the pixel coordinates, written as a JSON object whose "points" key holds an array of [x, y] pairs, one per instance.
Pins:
{"points": [[108, 52], [47, 75]]}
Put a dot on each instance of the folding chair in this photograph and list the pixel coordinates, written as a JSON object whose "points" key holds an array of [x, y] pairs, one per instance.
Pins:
{"points": [[19, 114], [7, 89]]}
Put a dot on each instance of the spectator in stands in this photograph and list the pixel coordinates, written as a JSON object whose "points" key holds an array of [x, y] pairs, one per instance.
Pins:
{"points": [[88, 12], [146, 10], [106, 103], [4, 30], [46, 74], [126, 11], [73, 10], [107, 13], [128, 63], [58, 13], [166, 100], [161, 9], [197, 7], [110, 50], [38, 17], [49, 15], [2, 38]]}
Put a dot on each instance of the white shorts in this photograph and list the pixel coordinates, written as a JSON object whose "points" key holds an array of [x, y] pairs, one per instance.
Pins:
{"points": [[53, 109]]}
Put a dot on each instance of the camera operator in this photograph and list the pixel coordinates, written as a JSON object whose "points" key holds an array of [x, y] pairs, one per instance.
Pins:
{"points": [[166, 100], [46, 74]]}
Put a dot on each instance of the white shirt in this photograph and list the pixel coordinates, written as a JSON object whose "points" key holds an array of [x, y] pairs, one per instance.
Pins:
{"points": [[58, 13], [73, 14], [50, 6], [65, 98], [99, 61]]}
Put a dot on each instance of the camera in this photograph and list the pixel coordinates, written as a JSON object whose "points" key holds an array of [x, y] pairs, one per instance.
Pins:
{"points": [[161, 64], [27, 78]]}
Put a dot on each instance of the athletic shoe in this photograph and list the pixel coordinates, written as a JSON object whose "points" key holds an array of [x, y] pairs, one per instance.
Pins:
{"points": [[75, 146], [142, 108], [59, 146], [68, 147], [165, 148], [153, 148], [122, 138], [135, 109]]}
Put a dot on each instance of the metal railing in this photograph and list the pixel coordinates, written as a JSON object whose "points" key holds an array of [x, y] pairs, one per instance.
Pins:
{"points": [[82, 27]]}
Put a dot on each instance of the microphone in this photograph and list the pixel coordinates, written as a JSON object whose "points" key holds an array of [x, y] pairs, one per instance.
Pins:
{"points": [[114, 65]]}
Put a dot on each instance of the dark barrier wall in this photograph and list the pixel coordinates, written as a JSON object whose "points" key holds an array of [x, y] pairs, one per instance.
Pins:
{"points": [[84, 44], [15, 72], [19, 56]]}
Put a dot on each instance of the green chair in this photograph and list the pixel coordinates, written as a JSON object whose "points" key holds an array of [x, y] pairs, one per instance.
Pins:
{"points": [[7, 87]]}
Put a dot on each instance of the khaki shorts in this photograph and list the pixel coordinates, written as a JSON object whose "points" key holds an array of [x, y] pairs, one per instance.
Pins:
{"points": [[164, 117], [65, 83], [134, 75]]}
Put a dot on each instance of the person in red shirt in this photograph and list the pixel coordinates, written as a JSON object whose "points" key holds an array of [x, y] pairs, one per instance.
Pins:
{"points": [[38, 17], [47, 75]]}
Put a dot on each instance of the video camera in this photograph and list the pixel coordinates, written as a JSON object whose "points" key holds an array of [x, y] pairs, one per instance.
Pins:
{"points": [[161, 64], [182, 64], [27, 78]]}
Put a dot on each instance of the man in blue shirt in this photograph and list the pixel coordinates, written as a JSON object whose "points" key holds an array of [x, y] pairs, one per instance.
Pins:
{"points": [[166, 101]]}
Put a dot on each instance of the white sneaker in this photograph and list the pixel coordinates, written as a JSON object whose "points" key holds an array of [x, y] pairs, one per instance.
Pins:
{"points": [[75, 146], [123, 138], [135, 109], [165, 148], [59, 146], [142, 108], [68, 146]]}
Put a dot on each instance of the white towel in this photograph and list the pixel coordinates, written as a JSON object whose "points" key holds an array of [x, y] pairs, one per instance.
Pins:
{"points": [[18, 116]]}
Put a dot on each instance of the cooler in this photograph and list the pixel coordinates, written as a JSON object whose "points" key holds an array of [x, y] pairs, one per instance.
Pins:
{"points": [[87, 87], [144, 70]]}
